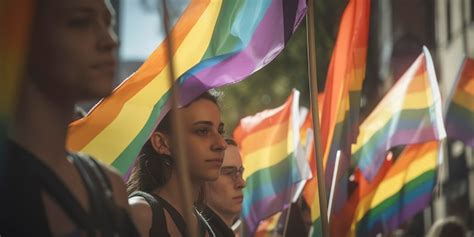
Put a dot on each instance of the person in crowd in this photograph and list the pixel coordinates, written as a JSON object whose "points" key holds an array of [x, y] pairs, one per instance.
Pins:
{"points": [[224, 196], [449, 226], [155, 197], [46, 189]]}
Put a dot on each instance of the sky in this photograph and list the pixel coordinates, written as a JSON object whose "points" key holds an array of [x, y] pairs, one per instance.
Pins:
{"points": [[141, 28]]}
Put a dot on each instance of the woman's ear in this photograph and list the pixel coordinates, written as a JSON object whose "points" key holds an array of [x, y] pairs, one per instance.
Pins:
{"points": [[160, 143]]}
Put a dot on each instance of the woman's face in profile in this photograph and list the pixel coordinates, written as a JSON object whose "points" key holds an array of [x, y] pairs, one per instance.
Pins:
{"points": [[204, 139], [73, 48]]}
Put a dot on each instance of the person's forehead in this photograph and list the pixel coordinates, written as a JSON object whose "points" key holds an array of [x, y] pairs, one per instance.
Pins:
{"points": [[232, 157], [202, 109]]}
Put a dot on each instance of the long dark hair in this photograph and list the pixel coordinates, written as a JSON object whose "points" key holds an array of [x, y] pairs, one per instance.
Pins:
{"points": [[151, 169]]}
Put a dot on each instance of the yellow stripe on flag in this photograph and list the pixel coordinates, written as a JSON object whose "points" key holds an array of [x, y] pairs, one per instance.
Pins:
{"points": [[464, 99], [257, 160], [265, 137], [389, 187]]}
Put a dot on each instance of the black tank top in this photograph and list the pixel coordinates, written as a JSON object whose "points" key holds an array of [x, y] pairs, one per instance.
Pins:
{"points": [[159, 227], [23, 178], [217, 224]]}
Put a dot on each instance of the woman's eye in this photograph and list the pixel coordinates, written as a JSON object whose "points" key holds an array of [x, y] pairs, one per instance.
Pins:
{"points": [[202, 132], [80, 21], [226, 172], [221, 131]]}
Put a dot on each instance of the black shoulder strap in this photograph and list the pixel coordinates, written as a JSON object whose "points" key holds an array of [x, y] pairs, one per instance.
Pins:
{"points": [[177, 218], [215, 223], [204, 225], [96, 196], [57, 189], [104, 182], [104, 211], [108, 217], [158, 227], [181, 224]]}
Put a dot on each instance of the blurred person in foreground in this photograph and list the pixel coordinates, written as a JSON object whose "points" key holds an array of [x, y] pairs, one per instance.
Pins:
{"points": [[46, 189]]}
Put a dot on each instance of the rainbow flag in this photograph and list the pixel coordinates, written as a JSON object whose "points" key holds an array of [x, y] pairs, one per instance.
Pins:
{"points": [[460, 115], [342, 90], [270, 226], [268, 142], [15, 25], [307, 142], [311, 185], [409, 113], [344, 81], [215, 42], [405, 190], [310, 190], [342, 219]]}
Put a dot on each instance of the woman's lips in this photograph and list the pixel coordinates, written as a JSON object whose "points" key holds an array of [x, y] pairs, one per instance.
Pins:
{"points": [[215, 162], [239, 198]]}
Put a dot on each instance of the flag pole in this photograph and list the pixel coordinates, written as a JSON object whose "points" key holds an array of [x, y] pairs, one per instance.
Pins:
{"points": [[332, 192], [287, 220], [178, 135], [313, 81]]}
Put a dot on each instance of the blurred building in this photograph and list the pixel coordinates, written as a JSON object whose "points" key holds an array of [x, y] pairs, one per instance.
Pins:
{"points": [[399, 29]]}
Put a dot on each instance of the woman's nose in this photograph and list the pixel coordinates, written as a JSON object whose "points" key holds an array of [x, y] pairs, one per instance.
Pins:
{"points": [[220, 143]]}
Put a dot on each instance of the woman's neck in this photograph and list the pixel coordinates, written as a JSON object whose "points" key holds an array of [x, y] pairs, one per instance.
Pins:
{"points": [[172, 193], [40, 124]]}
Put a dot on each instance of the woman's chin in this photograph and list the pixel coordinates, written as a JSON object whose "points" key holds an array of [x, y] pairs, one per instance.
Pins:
{"points": [[212, 175]]}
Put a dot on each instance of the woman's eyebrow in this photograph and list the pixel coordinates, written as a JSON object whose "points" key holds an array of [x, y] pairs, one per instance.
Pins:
{"points": [[80, 9], [88, 10], [203, 122]]}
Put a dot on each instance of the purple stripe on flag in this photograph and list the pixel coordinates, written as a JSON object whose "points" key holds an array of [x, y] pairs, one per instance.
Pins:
{"points": [[460, 124], [265, 45], [370, 165], [269, 205], [408, 211], [461, 133], [413, 137]]}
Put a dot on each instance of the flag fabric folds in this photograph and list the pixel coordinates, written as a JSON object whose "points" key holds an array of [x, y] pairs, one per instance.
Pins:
{"points": [[409, 113], [460, 115], [214, 42], [268, 142], [342, 219], [405, 190], [307, 136], [310, 192], [272, 226], [344, 81]]}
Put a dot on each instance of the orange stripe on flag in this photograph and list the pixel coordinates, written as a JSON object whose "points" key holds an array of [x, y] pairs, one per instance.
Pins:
{"points": [[256, 123], [259, 139]]}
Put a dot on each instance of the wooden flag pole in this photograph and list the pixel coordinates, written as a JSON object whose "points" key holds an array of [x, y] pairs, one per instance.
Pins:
{"points": [[178, 135], [313, 81]]}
